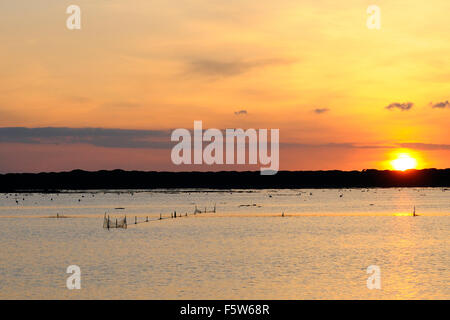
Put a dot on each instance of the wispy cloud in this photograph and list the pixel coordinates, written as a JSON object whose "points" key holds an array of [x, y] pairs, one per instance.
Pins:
{"points": [[412, 145], [425, 146], [158, 139], [120, 105], [217, 68], [241, 112], [321, 110], [334, 145], [441, 105], [79, 99], [111, 138], [401, 106]]}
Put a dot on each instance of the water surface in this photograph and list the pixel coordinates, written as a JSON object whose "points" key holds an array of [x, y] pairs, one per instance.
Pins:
{"points": [[246, 250]]}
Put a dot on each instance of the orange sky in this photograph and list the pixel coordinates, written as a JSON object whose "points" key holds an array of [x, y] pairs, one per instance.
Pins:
{"points": [[310, 68]]}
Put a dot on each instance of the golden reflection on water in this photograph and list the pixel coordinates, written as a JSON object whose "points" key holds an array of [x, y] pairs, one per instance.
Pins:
{"points": [[404, 284]]}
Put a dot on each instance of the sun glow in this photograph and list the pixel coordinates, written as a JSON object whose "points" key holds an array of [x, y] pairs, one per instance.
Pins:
{"points": [[404, 162]]}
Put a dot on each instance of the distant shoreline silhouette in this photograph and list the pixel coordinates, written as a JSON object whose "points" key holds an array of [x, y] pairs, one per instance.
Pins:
{"points": [[120, 179]]}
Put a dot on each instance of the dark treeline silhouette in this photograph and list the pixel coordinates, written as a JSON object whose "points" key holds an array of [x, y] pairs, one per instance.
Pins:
{"points": [[119, 179]]}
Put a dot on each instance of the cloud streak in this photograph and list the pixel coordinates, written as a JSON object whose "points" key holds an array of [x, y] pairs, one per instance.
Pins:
{"points": [[400, 106], [217, 68], [321, 110], [156, 139], [441, 105], [425, 146], [100, 137]]}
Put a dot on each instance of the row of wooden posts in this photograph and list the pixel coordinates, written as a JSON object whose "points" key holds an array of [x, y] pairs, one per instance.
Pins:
{"points": [[123, 224], [174, 215]]}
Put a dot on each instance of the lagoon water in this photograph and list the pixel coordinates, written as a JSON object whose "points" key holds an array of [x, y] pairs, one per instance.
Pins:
{"points": [[320, 249]]}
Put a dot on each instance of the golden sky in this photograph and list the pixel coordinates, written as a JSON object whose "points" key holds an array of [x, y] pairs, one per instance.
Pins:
{"points": [[311, 68]]}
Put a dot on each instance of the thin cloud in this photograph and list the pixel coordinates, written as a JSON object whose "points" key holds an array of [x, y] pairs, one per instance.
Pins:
{"points": [[441, 105], [241, 112], [413, 145], [215, 68], [100, 137], [335, 145], [156, 139], [121, 105], [321, 110], [401, 106], [425, 146], [79, 99]]}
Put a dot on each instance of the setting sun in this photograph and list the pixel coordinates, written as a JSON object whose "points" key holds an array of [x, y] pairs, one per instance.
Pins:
{"points": [[404, 162]]}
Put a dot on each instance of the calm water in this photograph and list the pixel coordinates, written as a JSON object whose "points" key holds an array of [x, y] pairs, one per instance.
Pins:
{"points": [[319, 250]]}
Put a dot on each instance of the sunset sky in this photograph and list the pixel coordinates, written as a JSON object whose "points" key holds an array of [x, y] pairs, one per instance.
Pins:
{"points": [[107, 96]]}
